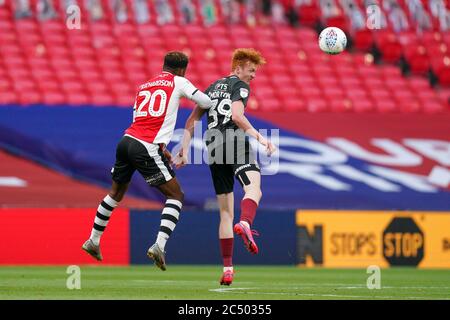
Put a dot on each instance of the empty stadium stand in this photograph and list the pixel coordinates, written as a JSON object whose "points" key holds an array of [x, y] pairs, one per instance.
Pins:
{"points": [[103, 62], [24, 183]]}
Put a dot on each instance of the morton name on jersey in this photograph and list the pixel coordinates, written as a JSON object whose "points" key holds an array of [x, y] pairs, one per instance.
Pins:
{"points": [[156, 107], [223, 93]]}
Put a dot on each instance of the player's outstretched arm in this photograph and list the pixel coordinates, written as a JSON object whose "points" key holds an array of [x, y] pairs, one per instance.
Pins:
{"points": [[191, 92], [196, 115], [201, 99], [237, 113]]}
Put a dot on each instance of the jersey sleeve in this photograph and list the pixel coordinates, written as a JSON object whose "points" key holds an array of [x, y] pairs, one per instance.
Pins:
{"points": [[240, 91], [189, 91]]}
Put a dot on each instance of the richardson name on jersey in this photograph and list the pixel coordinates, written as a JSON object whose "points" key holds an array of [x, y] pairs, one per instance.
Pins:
{"points": [[157, 83], [219, 94]]}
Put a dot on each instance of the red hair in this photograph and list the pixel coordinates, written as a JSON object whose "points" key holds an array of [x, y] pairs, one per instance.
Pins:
{"points": [[242, 56]]}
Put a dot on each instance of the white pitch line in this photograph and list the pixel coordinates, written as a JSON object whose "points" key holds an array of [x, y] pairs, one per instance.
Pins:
{"points": [[228, 289], [165, 281], [358, 287], [233, 290], [349, 286]]}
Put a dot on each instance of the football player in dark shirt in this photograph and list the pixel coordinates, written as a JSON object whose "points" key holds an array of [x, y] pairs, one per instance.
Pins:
{"points": [[230, 153]]}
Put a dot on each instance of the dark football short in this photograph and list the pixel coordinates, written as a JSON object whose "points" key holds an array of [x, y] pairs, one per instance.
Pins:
{"points": [[147, 158], [235, 163]]}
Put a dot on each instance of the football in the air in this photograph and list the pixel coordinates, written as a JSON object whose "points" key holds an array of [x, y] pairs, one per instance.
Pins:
{"points": [[332, 40]]}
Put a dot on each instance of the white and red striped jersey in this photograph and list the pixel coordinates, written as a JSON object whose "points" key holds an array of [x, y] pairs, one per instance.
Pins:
{"points": [[156, 107]]}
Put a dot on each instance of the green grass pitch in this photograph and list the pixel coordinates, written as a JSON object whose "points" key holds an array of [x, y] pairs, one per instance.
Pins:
{"points": [[202, 283]]}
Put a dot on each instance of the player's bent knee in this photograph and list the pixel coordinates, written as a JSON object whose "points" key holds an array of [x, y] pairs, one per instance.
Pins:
{"points": [[179, 195], [254, 190], [117, 197], [254, 194], [226, 215], [118, 192]]}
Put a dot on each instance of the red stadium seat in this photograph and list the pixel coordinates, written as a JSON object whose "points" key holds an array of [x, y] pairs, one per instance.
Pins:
{"points": [[418, 83], [269, 104], [84, 66], [49, 85], [29, 97], [288, 44], [333, 92], [4, 15], [444, 96], [72, 86], [376, 83], [42, 74], [357, 94], [243, 42], [363, 39], [408, 104], [293, 104], [218, 31], [264, 91], [427, 94], [54, 97], [309, 14], [26, 25], [396, 84], [380, 93], [367, 72], [68, 75], [385, 105], [340, 104], [339, 21], [363, 105], [61, 53], [444, 76], [287, 92], [418, 60], [55, 39], [434, 107], [328, 82], [8, 97], [11, 50], [305, 80], [317, 105], [5, 84], [408, 39], [52, 27], [389, 45], [6, 26], [432, 37], [126, 101], [38, 62], [102, 99], [218, 43], [78, 98], [8, 38], [349, 83], [311, 92]]}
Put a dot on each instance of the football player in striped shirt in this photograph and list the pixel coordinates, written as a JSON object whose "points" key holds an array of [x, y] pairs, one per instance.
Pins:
{"points": [[143, 148]]}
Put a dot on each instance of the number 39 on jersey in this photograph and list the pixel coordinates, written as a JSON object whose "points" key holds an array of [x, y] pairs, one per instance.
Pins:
{"points": [[220, 113]]}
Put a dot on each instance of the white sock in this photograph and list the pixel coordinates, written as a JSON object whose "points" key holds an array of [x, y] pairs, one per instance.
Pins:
{"points": [[227, 269], [101, 220], [169, 219]]}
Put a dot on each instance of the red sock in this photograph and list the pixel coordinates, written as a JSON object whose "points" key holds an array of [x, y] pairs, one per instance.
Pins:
{"points": [[248, 210], [226, 248]]}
